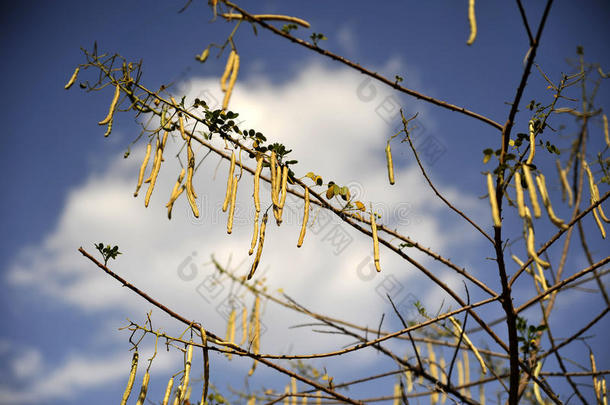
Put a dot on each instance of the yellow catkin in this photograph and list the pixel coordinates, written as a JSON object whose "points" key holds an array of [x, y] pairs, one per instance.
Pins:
{"points": [[433, 371], [251, 400], [388, 155], [375, 243], [255, 331], [604, 393], [244, 326], [293, 389], [187, 371], [75, 75], [225, 204], [541, 181], [154, 173], [115, 99], [254, 234], [536, 387], [232, 206], [466, 371], [234, 71], [531, 246], [177, 190], [257, 175], [481, 394], [282, 197], [531, 188], [274, 175], [473, 23], [565, 186], [606, 135], [396, 394], [231, 330], [599, 223], [143, 169], [305, 219], [495, 213], [144, 389], [318, 398], [520, 200], [168, 391], [458, 332], [228, 69], [206, 365], [259, 250], [460, 369], [131, 379]]}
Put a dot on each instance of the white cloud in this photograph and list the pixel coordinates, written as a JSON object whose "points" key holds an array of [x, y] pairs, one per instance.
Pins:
{"points": [[76, 373], [333, 133]]}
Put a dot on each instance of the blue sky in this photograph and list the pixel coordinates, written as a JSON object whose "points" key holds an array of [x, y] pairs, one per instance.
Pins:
{"points": [[66, 185]]}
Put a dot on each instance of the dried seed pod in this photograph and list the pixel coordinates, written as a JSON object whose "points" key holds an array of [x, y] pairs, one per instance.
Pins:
{"points": [[255, 331], [273, 169], [168, 391], [397, 394], [177, 190], [225, 204], [228, 69], [244, 326], [531, 249], [282, 197], [531, 188], [187, 371], [565, 186], [532, 139], [388, 155], [458, 332], [536, 387], [115, 99], [466, 371], [144, 389], [473, 23], [73, 79], [232, 206], [154, 173], [257, 174], [305, 219], [234, 71], [495, 213], [375, 242], [143, 169], [460, 369], [132, 377], [293, 389], [541, 181], [520, 200], [433, 370], [259, 250], [206, 365], [254, 234]]}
